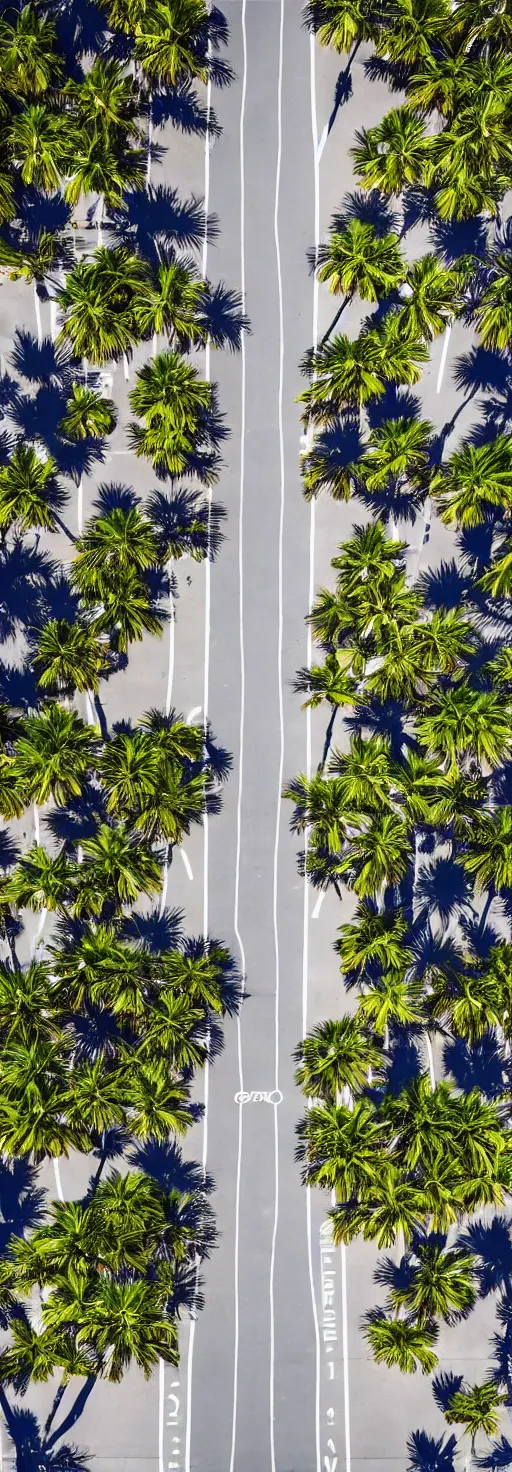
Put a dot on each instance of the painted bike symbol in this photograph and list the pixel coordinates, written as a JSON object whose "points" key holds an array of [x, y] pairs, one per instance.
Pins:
{"points": [[256, 1096]]}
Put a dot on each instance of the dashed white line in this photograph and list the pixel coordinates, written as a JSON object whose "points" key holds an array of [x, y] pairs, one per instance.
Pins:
{"points": [[241, 750], [187, 863], [172, 634], [282, 485], [444, 355], [319, 148], [318, 905]]}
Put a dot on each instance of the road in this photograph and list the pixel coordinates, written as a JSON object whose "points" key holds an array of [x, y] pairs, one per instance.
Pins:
{"points": [[275, 1376]]}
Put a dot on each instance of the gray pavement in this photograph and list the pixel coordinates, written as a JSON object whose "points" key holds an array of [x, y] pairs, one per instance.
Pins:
{"points": [[274, 1376]]}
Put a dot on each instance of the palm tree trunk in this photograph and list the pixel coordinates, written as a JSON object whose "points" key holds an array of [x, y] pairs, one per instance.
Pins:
{"points": [[345, 302], [487, 906], [55, 1406], [58, 1181], [99, 219], [154, 345], [126, 367], [430, 1055], [103, 1160], [37, 833], [163, 896], [37, 305], [102, 720], [328, 737], [80, 507], [39, 931]]}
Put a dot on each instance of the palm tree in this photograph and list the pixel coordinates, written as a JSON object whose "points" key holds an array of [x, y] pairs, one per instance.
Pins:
{"points": [[335, 1057], [119, 864], [175, 405], [29, 61], [328, 682], [417, 27], [204, 971], [100, 166], [498, 582], [41, 881], [440, 1283], [116, 544], [130, 768], [493, 312], [105, 100], [319, 804], [177, 1031], [373, 938], [32, 262], [441, 81], [477, 1407], [487, 853], [126, 611], [392, 999], [340, 1147], [43, 144], [469, 1005], [390, 1206], [398, 1342], [462, 720], [364, 773], [432, 296], [378, 856], [172, 302], [99, 300], [342, 24], [69, 657], [392, 154], [358, 259], [473, 480], [158, 1104], [54, 755], [397, 455], [29, 1004], [30, 494], [171, 41], [350, 373], [370, 556], [88, 415]]}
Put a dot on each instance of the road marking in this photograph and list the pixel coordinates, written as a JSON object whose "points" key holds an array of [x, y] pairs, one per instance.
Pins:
{"points": [[204, 263], [321, 145], [318, 907], [258, 1097], [161, 1412], [444, 355], [344, 1324], [241, 746], [172, 640], [282, 486], [309, 656], [58, 1182], [187, 863], [196, 711]]}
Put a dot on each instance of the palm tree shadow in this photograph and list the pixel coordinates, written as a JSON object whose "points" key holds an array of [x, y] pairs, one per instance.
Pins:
{"points": [[404, 1061], [160, 217], [444, 1385], [225, 318], [499, 1456], [455, 238], [445, 586], [22, 1201], [164, 1162], [479, 1066], [47, 363], [28, 579], [155, 932], [443, 890], [183, 518], [182, 107], [425, 1454], [395, 403], [39, 211], [370, 208], [33, 1453], [491, 1244]]}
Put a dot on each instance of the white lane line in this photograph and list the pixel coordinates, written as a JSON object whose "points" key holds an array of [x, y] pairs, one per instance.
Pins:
{"points": [[318, 905], [444, 355], [309, 657], [344, 1321], [38, 933], [241, 749], [58, 1182], [172, 633], [204, 264], [282, 486], [161, 1413], [187, 863], [319, 148], [196, 709]]}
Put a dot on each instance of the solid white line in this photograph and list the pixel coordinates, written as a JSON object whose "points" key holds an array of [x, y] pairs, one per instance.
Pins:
{"points": [[172, 632], [309, 656], [161, 1413], [344, 1320], [187, 863], [444, 355], [58, 1182], [241, 751], [318, 905], [282, 485], [204, 264]]}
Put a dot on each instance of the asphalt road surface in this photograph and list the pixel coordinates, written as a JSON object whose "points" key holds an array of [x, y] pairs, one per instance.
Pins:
{"points": [[274, 1376]]}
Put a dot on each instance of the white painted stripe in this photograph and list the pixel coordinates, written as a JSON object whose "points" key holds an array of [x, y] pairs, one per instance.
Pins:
{"points": [[187, 863], [309, 656], [320, 147], [241, 750], [318, 907], [196, 709], [206, 674], [282, 488], [58, 1182], [344, 1321], [161, 1413], [172, 640], [444, 355]]}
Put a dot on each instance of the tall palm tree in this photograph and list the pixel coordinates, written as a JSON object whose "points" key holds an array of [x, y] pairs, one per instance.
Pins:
{"points": [[98, 302], [416, 28], [340, 1147], [474, 479], [328, 682], [487, 853], [477, 1407], [462, 720], [373, 938], [54, 754], [43, 143], [364, 773], [158, 1104], [398, 1342], [173, 303], [88, 415], [391, 1206], [397, 455], [432, 297], [333, 1057], [126, 612], [171, 41], [100, 166], [393, 153], [69, 657], [350, 373], [319, 804], [378, 856], [357, 259], [32, 261], [440, 1283], [118, 863], [29, 60], [130, 768], [29, 1005], [119, 542], [342, 24], [175, 405], [105, 100], [493, 311], [41, 881], [30, 494], [391, 1000]]}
